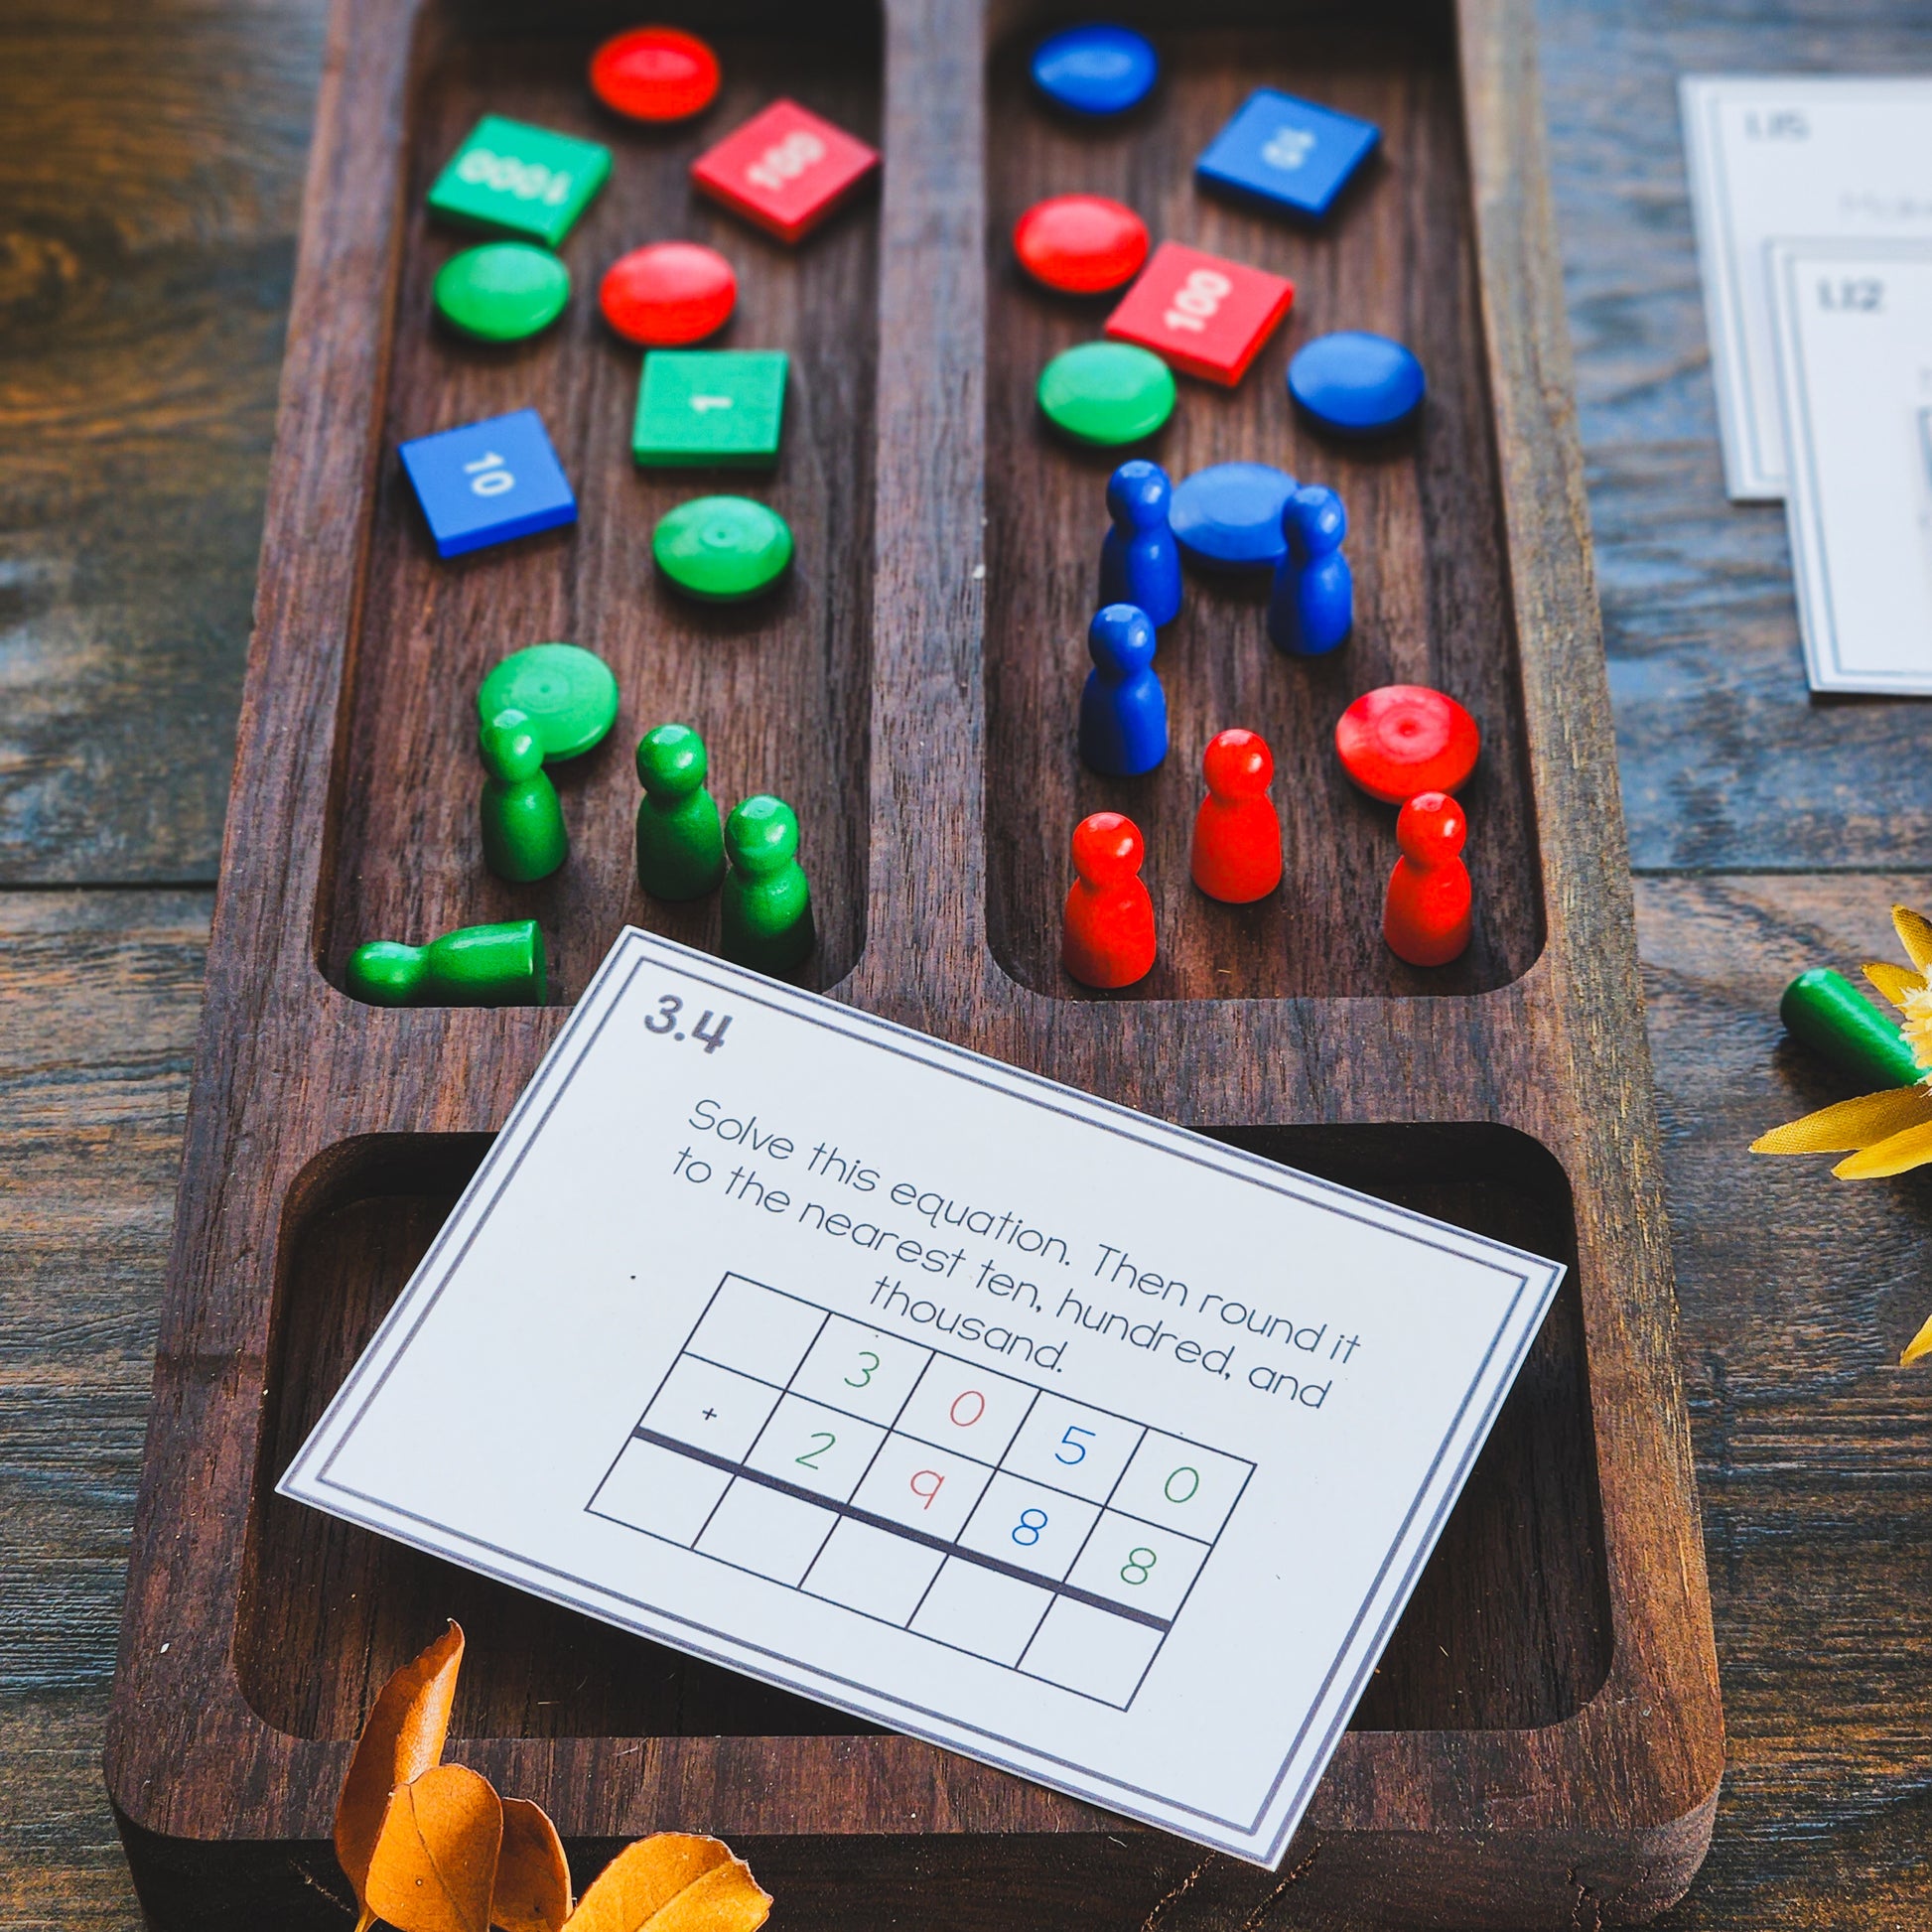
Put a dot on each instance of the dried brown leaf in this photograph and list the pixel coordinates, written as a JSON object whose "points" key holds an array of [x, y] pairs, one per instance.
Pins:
{"points": [[401, 1739], [532, 1874], [672, 1882], [435, 1863]]}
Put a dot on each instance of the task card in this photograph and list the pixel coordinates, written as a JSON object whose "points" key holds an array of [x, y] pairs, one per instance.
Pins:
{"points": [[981, 1408], [1789, 157], [1855, 353]]}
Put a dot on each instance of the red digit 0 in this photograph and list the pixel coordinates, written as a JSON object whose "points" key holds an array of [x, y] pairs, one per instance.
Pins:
{"points": [[967, 1395]]}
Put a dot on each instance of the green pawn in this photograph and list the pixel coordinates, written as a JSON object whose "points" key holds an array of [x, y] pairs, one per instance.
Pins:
{"points": [[475, 966], [523, 833], [680, 844], [767, 903]]}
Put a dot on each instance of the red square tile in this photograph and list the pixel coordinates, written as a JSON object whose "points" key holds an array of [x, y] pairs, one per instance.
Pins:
{"points": [[784, 169], [1206, 315]]}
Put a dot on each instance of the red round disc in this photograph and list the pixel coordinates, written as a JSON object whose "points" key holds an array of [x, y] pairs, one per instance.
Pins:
{"points": [[1080, 244], [1405, 739], [668, 294], [655, 74]]}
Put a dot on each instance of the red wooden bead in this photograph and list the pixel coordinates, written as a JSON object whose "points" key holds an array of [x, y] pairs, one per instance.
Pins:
{"points": [[1080, 245], [667, 294], [1107, 930], [1208, 316], [655, 74], [785, 169], [1237, 849], [1426, 918], [1404, 738]]}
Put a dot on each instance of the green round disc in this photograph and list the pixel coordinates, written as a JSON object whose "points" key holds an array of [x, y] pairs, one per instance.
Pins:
{"points": [[1107, 392], [502, 291], [722, 547], [568, 696]]}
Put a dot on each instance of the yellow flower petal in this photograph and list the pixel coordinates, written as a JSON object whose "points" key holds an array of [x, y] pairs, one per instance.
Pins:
{"points": [[1900, 1154], [1856, 1123], [1915, 934], [1920, 1344], [1894, 982]]}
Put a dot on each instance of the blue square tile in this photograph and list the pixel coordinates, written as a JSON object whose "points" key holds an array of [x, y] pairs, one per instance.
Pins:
{"points": [[489, 482], [1288, 153]]}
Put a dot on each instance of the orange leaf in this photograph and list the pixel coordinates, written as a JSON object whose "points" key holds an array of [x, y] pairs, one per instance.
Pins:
{"points": [[1881, 1160], [1914, 934], [1919, 1345], [672, 1882], [401, 1739], [1894, 982], [1856, 1123], [532, 1875], [435, 1863]]}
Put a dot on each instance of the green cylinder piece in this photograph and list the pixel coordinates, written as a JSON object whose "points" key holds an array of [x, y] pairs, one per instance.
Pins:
{"points": [[1829, 1014], [474, 966], [680, 842], [767, 909]]}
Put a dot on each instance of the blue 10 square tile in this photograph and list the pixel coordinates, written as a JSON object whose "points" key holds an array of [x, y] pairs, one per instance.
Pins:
{"points": [[489, 482], [1287, 152]]}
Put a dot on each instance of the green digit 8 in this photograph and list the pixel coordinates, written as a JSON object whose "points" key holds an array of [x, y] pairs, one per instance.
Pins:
{"points": [[1141, 1560]]}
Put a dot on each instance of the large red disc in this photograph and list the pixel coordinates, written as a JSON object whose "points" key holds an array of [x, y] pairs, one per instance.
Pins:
{"points": [[1404, 738], [1080, 245], [668, 293], [655, 74]]}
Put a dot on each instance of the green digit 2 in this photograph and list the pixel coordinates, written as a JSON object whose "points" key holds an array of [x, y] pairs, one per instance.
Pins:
{"points": [[824, 1439]]}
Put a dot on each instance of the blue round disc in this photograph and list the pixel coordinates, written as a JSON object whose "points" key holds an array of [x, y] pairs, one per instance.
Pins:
{"points": [[1096, 70], [1356, 383], [1230, 514]]}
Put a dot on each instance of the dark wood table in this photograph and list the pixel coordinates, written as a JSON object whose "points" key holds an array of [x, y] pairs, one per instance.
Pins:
{"points": [[149, 182]]}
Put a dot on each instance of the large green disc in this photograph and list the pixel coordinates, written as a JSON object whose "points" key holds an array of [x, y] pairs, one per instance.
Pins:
{"points": [[722, 547], [568, 696], [1107, 393], [502, 291]]}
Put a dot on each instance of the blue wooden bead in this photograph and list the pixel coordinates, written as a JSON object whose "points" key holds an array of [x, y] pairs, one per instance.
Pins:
{"points": [[489, 482], [1097, 69], [1229, 515], [1356, 383], [1287, 154]]}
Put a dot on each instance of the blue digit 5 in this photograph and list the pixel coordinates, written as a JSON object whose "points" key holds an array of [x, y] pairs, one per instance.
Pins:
{"points": [[1079, 1448]]}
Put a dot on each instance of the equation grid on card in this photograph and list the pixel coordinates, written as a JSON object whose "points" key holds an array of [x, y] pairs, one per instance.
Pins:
{"points": [[923, 1490]]}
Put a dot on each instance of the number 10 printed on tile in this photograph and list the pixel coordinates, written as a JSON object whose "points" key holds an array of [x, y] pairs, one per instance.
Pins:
{"points": [[922, 1386]]}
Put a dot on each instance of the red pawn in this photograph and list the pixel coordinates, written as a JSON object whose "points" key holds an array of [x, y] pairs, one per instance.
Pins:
{"points": [[1427, 919], [1107, 930], [1237, 850]]}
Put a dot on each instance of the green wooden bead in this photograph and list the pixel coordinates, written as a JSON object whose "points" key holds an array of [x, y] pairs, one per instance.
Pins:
{"points": [[680, 841], [1107, 393], [569, 695], [502, 291], [767, 903], [722, 548], [474, 966], [514, 179], [1830, 1014], [523, 832]]}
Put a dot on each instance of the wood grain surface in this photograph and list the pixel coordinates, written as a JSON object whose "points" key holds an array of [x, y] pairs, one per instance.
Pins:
{"points": [[146, 233]]}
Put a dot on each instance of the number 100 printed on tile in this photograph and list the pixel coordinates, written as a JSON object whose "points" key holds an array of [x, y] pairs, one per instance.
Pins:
{"points": [[922, 1386]]}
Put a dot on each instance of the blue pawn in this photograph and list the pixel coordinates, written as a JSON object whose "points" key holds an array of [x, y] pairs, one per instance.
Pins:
{"points": [[1139, 562], [1123, 710], [1312, 603]]}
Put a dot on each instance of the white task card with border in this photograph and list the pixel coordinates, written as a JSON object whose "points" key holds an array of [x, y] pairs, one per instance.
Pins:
{"points": [[1010, 1419], [1855, 355], [1790, 156]]}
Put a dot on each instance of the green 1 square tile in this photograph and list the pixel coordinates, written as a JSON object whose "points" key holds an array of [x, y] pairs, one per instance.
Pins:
{"points": [[513, 179], [710, 406]]}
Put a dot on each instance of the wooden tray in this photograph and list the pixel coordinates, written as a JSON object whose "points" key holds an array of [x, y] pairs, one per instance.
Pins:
{"points": [[1543, 1743]]}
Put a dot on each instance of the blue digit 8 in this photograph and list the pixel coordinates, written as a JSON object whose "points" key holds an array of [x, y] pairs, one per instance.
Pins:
{"points": [[1027, 1531]]}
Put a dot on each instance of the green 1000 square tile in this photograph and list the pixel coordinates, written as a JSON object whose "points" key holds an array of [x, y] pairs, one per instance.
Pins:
{"points": [[508, 178]]}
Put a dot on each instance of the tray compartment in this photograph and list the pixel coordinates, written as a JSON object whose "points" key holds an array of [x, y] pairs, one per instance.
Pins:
{"points": [[779, 686], [1426, 531]]}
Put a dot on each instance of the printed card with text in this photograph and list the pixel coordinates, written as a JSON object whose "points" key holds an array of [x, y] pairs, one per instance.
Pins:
{"points": [[1854, 353], [919, 1385], [1789, 157]]}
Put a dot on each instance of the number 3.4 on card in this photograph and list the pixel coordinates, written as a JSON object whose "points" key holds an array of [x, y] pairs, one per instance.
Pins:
{"points": [[665, 1020]]}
